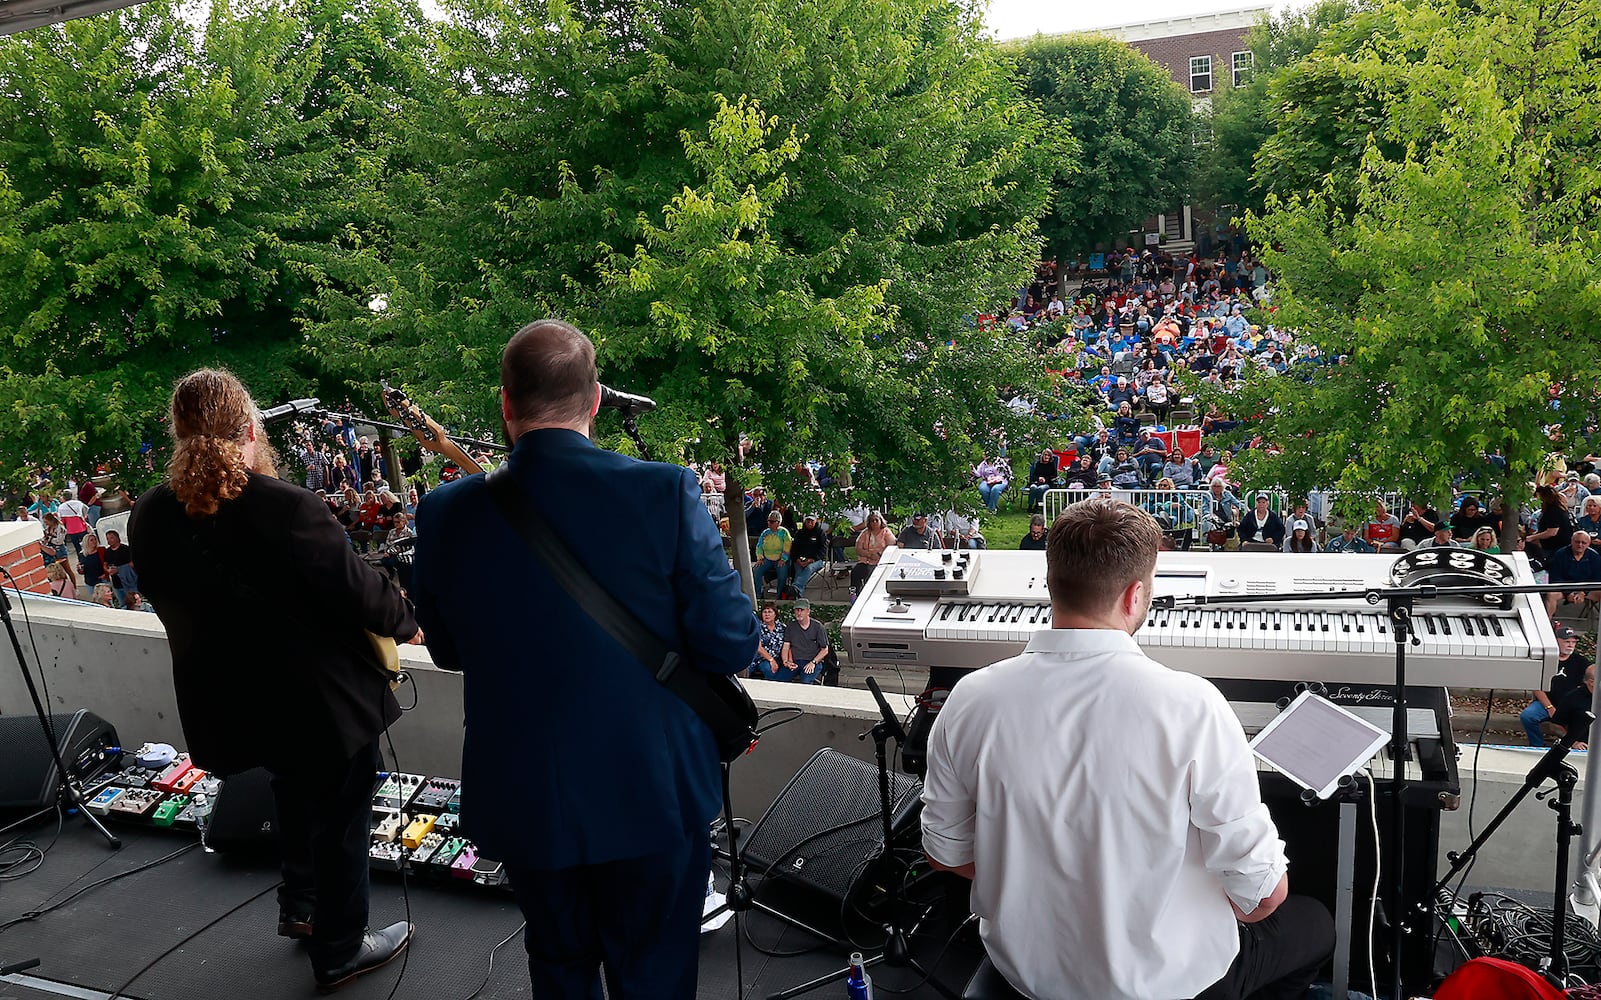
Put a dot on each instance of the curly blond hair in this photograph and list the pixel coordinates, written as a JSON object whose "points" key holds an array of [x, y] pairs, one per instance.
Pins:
{"points": [[211, 417]]}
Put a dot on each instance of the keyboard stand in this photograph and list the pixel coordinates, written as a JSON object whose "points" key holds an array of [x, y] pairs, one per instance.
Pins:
{"points": [[1345, 890]]}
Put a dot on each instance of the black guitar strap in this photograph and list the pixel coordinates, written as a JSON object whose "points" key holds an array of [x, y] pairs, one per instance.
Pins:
{"points": [[726, 724]]}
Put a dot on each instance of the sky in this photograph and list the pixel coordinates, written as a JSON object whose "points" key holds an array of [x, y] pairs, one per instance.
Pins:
{"points": [[1017, 18]]}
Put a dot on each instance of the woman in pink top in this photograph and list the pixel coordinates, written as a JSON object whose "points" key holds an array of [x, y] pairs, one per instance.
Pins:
{"points": [[870, 546]]}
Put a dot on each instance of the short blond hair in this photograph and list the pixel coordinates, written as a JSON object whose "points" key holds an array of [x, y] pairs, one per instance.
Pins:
{"points": [[1095, 550]]}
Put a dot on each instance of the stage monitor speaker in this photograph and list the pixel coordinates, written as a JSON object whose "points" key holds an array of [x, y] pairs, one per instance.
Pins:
{"points": [[28, 777], [244, 819], [824, 826]]}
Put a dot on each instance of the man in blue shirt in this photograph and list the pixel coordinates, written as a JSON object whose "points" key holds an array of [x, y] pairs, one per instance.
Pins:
{"points": [[593, 783], [1578, 564]]}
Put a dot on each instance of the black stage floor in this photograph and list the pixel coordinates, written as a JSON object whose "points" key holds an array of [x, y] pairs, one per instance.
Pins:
{"points": [[93, 945]]}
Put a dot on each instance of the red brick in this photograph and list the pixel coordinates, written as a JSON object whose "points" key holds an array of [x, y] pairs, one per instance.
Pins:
{"points": [[1174, 52]]}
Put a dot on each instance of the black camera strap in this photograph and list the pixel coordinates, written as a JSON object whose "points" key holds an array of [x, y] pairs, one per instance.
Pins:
{"points": [[727, 724]]}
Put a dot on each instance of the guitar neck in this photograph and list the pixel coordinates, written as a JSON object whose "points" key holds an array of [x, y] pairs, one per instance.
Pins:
{"points": [[452, 451]]}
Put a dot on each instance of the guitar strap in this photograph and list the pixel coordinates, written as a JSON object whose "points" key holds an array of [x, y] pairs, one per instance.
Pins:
{"points": [[733, 732]]}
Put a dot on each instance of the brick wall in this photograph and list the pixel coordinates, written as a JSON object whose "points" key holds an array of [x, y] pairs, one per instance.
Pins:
{"points": [[27, 566], [1173, 53], [22, 556]]}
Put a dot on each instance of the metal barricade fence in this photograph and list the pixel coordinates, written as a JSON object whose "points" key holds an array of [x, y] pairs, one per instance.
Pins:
{"points": [[1182, 509]]}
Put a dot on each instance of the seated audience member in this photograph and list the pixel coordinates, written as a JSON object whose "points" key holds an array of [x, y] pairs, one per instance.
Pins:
{"points": [[1126, 473], [1383, 532], [1083, 475], [1441, 539], [1180, 470], [1349, 541], [1470, 517], [103, 595], [805, 645], [917, 534], [1573, 711], [1035, 539], [1017, 800], [1569, 677], [959, 531], [992, 476], [1222, 512], [1485, 540], [1126, 427], [769, 662], [1262, 525], [1590, 516], [1150, 455], [808, 553], [1578, 564], [874, 538], [1300, 539], [1047, 469], [772, 551], [61, 582], [119, 564], [1418, 524]]}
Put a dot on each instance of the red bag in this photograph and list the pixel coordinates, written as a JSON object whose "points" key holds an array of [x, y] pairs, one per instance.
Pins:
{"points": [[1495, 979]]}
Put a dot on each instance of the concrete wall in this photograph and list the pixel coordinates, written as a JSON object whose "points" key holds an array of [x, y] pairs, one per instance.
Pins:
{"points": [[116, 663]]}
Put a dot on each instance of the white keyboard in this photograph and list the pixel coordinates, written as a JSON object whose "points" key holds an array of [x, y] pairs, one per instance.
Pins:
{"points": [[1003, 600]]}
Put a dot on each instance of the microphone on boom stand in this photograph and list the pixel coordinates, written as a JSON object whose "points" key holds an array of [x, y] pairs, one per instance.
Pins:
{"points": [[626, 403], [289, 409]]}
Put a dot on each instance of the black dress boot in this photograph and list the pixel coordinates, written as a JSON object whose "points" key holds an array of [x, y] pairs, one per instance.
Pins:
{"points": [[377, 949]]}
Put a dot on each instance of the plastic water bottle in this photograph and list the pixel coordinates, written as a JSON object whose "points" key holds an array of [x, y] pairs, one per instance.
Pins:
{"points": [[858, 984]]}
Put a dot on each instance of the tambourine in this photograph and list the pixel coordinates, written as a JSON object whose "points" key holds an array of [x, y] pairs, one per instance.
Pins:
{"points": [[1446, 567]]}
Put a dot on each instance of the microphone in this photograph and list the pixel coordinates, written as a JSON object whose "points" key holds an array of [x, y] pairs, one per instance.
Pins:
{"points": [[627, 403], [289, 409]]}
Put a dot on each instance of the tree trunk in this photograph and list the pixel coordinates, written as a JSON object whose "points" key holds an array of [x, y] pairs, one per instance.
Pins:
{"points": [[739, 542]]}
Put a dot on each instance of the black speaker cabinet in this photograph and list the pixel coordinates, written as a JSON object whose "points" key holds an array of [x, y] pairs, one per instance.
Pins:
{"points": [[244, 819], [824, 826], [28, 776]]}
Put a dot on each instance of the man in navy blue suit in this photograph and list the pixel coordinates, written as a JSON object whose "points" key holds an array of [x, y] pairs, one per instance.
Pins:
{"points": [[594, 784]]}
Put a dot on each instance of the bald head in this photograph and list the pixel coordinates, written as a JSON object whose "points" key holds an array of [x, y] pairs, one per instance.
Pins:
{"points": [[548, 377]]}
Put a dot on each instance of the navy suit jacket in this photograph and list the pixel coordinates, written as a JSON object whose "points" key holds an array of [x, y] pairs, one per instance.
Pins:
{"points": [[573, 753]]}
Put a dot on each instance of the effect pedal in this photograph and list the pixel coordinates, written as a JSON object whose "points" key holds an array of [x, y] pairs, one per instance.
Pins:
{"points": [[487, 871], [454, 805], [396, 790], [420, 827], [140, 802], [462, 867], [169, 777], [168, 811], [388, 857], [447, 823], [186, 781], [388, 828], [426, 849], [101, 804], [444, 856], [434, 795]]}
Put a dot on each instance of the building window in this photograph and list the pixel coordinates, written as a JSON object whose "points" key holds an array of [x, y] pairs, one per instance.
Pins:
{"points": [[1243, 62], [1200, 74]]}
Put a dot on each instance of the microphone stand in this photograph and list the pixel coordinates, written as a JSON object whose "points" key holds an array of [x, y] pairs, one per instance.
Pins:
{"points": [[897, 953], [1554, 766], [67, 794], [1399, 602], [403, 429]]}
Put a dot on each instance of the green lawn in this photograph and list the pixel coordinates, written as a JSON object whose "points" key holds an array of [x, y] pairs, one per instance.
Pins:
{"points": [[1006, 529]]}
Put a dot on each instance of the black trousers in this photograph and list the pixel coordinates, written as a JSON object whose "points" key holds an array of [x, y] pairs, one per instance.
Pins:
{"points": [[639, 919], [324, 822], [1279, 956]]}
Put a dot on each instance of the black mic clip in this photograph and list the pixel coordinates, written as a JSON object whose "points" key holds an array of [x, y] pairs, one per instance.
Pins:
{"points": [[1163, 603]]}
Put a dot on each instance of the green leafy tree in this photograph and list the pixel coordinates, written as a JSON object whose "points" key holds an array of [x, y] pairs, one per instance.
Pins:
{"points": [[172, 196], [1134, 130], [1463, 285], [1241, 119], [779, 220]]}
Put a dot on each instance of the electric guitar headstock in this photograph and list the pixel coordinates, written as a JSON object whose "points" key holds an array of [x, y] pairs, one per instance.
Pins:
{"points": [[425, 428]]}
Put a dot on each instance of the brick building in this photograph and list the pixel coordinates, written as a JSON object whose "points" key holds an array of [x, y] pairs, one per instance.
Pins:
{"points": [[1204, 53]]}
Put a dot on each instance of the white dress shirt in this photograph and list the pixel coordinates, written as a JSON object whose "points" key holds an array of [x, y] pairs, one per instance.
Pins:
{"points": [[1111, 810]]}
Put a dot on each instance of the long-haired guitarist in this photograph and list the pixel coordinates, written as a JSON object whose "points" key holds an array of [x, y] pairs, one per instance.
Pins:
{"points": [[592, 782], [299, 692]]}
